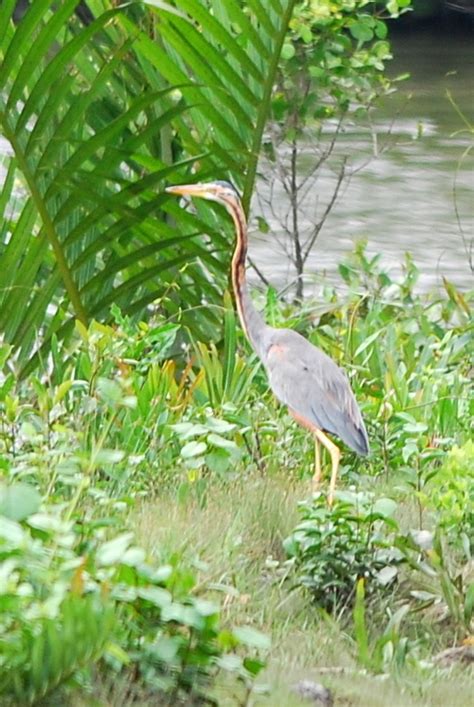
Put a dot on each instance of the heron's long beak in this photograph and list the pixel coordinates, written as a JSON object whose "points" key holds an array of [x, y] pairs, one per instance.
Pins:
{"points": [[201, 190]]}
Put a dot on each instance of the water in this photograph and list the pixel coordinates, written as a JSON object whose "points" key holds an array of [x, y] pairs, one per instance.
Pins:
{"points": [[402, 200]]}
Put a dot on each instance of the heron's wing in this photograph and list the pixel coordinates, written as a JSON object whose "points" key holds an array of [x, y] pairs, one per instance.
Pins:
{"points": [[310, 383]]}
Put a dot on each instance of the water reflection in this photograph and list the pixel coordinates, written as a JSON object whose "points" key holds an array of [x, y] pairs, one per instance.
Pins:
{"points": [[403, 200]]}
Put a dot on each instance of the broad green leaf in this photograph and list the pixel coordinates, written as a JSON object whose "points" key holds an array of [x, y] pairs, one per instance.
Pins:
{"points": [[250, 636], [155, 595], [112, 552], [18, 501], [11, 531], [98, 127], [218, 441], [385, 506], [193, 449]]}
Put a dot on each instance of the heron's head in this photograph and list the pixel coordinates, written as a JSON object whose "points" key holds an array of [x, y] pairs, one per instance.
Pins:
{"points": [[222, 192]]}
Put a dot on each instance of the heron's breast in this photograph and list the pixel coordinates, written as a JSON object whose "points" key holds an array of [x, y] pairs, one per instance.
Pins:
{"points": [[277, 351]]}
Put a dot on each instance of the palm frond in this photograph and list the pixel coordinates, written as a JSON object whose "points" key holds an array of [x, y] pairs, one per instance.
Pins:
{"points": [[99, 118]]}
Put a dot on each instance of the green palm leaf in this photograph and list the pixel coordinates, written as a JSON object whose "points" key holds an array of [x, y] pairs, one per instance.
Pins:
{"points": [[99, 119]]}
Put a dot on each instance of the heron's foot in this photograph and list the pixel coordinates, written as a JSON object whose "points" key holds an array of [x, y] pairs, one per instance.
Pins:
{"points": [[315, 484], [317, 492]]}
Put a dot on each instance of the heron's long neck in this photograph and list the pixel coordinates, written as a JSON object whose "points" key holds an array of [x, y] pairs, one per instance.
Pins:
{"points": [[252, 321]]}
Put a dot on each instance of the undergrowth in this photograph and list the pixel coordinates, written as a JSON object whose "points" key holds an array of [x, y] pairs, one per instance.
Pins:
{"points": [[154, 535]]}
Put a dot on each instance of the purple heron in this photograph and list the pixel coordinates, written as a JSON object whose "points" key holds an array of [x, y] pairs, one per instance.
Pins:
{"points": [[316, 391]]}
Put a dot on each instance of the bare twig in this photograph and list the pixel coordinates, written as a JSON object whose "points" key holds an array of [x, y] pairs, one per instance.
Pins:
{"points": [[258, 272], [317, 229]]}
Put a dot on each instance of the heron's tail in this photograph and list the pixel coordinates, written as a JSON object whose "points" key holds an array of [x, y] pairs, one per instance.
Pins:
{"points": [[357, 439]]}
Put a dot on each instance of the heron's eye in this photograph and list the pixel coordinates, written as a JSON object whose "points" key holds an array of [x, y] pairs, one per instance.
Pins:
{"points": [[228, 185]]}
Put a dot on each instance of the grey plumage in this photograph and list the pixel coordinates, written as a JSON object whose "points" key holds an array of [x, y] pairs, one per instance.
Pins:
{"points": [[315, 389], [308, 381]]}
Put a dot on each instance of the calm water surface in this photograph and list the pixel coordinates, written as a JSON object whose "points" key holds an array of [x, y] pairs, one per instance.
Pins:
{"points": [[402, 200]]}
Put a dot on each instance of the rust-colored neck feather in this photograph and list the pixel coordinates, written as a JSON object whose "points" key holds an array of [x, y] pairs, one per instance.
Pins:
{"points": [[252, 322]]}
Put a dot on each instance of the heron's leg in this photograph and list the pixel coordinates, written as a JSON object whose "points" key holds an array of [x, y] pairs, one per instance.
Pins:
{"points": [[317, 464], [335, 457], [320, 436]]}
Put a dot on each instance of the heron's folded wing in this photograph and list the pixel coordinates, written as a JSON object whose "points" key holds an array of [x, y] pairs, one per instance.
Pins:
{"points": [[308, 381]]}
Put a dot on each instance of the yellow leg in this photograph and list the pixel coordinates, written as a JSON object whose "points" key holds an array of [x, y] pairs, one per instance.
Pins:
{"points": [[335, 457], [317, 465], [330, 446]]}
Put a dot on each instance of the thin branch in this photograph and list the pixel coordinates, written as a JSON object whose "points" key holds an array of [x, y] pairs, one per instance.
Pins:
{"points": [[317, 229], [324, 155], [258, 272]]}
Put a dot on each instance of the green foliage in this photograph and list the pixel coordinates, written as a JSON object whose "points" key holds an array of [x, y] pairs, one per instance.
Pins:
{"points": [[78, 448], [407, 353], [387, 649], [334, 548], [71, 597], [442, 577], [227, 378], [333, 60], [98, 119], [208, 444], [117, 416], [451, 493], [41, 653], [115, 390]]}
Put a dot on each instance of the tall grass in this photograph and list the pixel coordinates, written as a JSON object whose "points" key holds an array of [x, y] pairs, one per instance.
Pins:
{"points": [[165, 484]]}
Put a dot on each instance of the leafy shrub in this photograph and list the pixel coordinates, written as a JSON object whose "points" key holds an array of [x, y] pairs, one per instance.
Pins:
{"points": [[40, 655], [440, 580], [71, 598], [335, 547], [77, 446], [207, 444], [451, 493], [405, 353], [109, 420]]}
